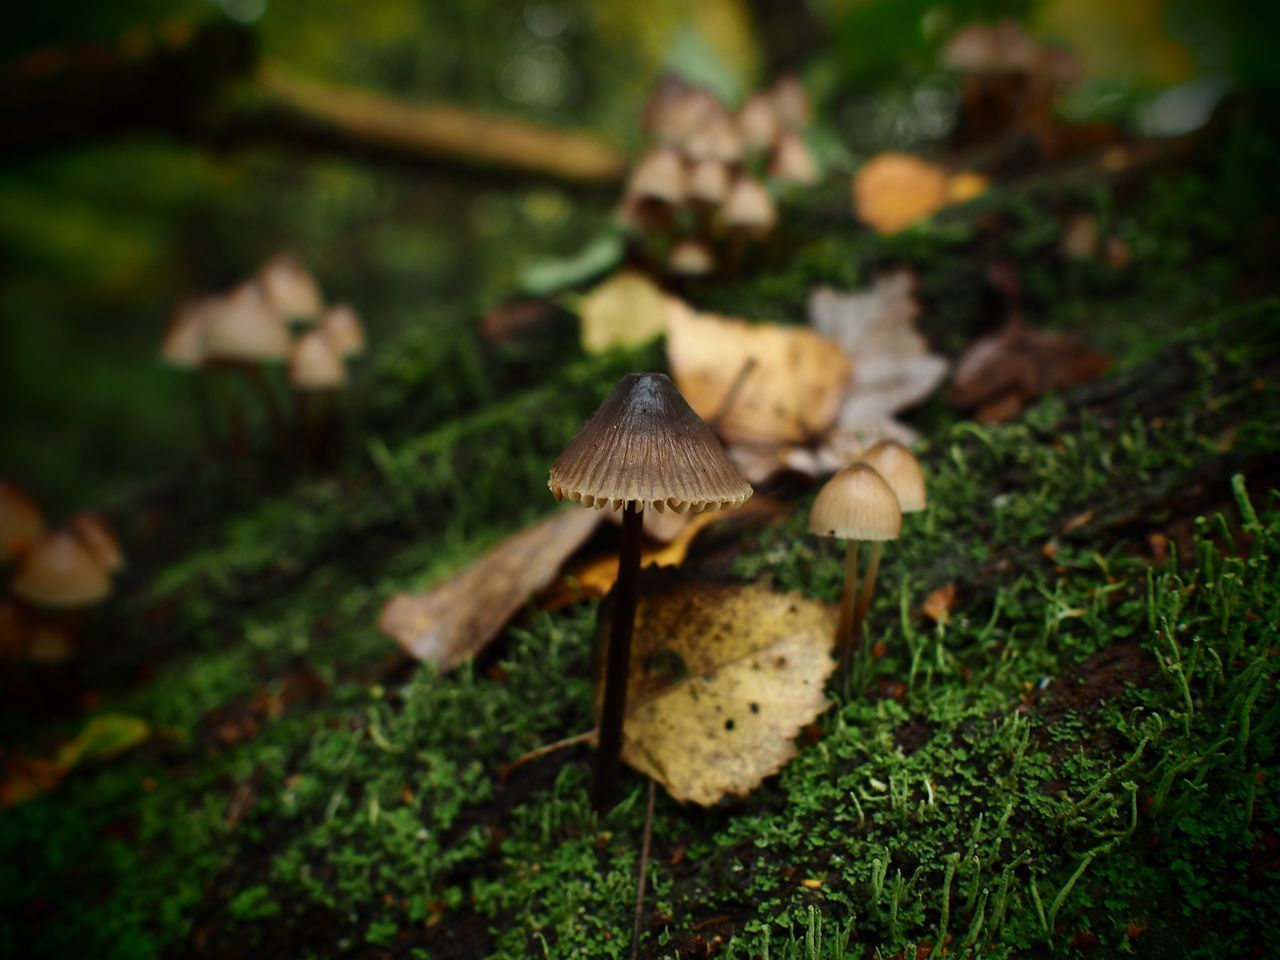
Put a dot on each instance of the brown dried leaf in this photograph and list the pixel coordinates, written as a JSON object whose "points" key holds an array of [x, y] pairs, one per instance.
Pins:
{"points": [[625, 310], [1000, 373], [723, 678], [939, 604], [755, 383], [461, 615]]}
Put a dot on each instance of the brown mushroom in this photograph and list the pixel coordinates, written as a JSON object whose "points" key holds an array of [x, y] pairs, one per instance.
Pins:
{"points": [[644, 448]]}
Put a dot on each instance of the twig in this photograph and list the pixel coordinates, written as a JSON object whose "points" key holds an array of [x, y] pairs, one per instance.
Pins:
{"points": [[637, 928], [546, 749]]}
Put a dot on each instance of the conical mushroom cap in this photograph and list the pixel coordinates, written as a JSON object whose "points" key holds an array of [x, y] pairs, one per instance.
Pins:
{"points": [[246, 328], [791, 102], [856, 504], [183, 345], [97, 536], [658, 176], [709, 181], [61, 571], [692, 257], [20, 522], [314, 364], [646, 445], [343, 328], [792, 162], [749, 206], [292, 290], [758, 122], [901, 471]]}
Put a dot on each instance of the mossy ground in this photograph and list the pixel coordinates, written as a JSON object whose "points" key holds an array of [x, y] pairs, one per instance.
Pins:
{"points": [[1080, 761]]}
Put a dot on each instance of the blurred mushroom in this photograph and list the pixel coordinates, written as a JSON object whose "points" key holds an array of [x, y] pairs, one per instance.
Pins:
{"points": [[244, 331], [716, 139], [691, 257], [901, 471], [317, 374], [342, 326], [791, 102], [709, 182], [99, 538], [855, 505], [758, 122], [792, 162], [749, 209], [643, 448], [21, 524], [59, 571], [291, 290], [183, 345], [657, 186]]}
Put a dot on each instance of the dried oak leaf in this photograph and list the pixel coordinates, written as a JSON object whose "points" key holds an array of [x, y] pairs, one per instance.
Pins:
{"points": [[723, 678], [892, 191], [755, 383], [461, 615], [1002, 372], [628, 309]]}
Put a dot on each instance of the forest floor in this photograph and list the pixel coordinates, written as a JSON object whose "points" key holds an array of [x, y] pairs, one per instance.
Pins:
{"points": [[1080, 759]]}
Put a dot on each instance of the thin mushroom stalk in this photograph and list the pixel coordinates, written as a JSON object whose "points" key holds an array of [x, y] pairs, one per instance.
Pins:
{"points": [[614, 710], [867, 591], [846, 629]]}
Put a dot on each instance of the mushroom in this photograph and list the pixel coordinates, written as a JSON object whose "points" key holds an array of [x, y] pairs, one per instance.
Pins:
{"points": [[245, 331], [643, 448], [292, 291], [61, 572], [317, 374], [716, 139], [656, 186], [183, 344], [691, 257], [343, 328], [709, 182], [790, 102], [758, 122], [792, 162], [901, 471], [749, 209], [856, 505], [99, 538], [21, 524]]}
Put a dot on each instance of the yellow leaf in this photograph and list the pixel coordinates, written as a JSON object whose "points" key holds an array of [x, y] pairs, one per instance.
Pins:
{"points": [[723, 677], [628, 309], [755, 383], [104, 736], [892, 191]]}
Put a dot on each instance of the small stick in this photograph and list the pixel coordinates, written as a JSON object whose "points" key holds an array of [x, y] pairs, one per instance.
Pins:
{"points": [[848, 604], [545, 750], [637, 927]]}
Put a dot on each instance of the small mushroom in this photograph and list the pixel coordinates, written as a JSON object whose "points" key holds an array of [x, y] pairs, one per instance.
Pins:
{"points": [[717, 139], [901, 471], [791, 102], [643, 448], [856, 505], [709, 182], [99, 538], [183, 345], [749, 209], [61, 572], [792, 162], [656, 187], [758, 122], [317, 374], [691, 257], [342, 326], [21, 524], [291, 289]]}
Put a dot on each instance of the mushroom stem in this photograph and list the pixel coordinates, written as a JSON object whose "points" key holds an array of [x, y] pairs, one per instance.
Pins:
{"points": [[848, 603], [619, 658], [868, 588], [258, 381]]}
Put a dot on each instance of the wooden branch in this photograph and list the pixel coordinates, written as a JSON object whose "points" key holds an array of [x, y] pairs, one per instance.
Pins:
{"points": [[210, 87]]}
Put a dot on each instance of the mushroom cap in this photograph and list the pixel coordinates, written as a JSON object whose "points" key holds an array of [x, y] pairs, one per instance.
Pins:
{"points": [[61, 571], [750, 206], [645, 445], [717, 139], [791, 102], [692, 257], [758, 122], [659, 175], [183, 345], [20, 522], [314, 363], [709, 181], [290, 288], [99, 538], [856, 504], [342, 326], [901, 471], [246, 328], [792, 162]]}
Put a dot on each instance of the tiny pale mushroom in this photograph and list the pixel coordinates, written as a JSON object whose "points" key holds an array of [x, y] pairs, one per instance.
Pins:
{"points": [[183, 344], [758, 122], [245, 328], [95, 534], [905, 477], [291, 288], [342, 326], [709, 182], [748, 208], [791, 101], [59, 571], [792, 162], [315, 365], [692, 257]]}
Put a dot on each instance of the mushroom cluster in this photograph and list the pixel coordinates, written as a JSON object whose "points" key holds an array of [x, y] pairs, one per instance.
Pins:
{"points": [[864, 503], [275, 319], [55, 575], [698, 195]]}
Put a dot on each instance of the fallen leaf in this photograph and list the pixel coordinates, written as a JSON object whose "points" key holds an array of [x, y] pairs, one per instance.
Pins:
{"points": [[723, 678], [628, 309], [102, 737], [755, 383], [1002, 372], [892, 191], [939, 604], [461, 615]]}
